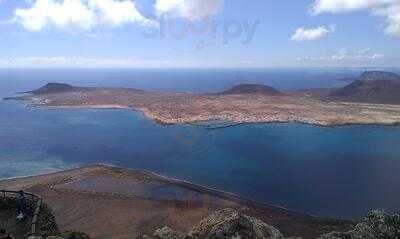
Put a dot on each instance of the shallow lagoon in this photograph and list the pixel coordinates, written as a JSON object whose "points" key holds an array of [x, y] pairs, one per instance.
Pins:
{"points": [[336, 172]]}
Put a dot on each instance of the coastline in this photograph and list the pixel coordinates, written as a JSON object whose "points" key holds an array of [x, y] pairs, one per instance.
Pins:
{"points": [[196, 123], [246, 106], [186, 183], [171, 180], [192, 185], [136, 196]]}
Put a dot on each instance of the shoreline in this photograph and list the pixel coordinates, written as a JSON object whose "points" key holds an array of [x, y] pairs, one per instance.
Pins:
{"points": [[243, 104], [195, 123], [167, 178], [181, 183], [134, 197]]}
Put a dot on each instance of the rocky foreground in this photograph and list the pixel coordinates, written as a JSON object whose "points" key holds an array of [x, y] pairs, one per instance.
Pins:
{"points": [[226, 223], [233, 224]]}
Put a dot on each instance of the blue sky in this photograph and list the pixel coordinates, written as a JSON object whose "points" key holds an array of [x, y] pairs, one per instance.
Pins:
{"points": [[199, 33]]}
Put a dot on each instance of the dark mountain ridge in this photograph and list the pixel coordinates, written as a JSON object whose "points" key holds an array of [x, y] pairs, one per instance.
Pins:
{"points": [[371, 87], [379, 75], [52, 88], [251, 89]]}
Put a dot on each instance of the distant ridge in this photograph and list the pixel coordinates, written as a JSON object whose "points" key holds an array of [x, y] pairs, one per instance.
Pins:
{"points": [[52, 88], [379, 75], [371, 87], [251, 89]]}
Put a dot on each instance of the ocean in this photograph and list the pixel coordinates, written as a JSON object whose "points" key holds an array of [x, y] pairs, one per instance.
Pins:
{"points": [[332, 172]]}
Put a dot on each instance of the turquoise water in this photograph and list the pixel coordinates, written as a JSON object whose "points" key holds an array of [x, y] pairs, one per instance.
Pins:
{"points": [[335, 172]]}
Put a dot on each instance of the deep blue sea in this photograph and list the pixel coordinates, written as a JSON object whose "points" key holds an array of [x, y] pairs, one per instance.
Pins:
{"points": [[334, 172]]}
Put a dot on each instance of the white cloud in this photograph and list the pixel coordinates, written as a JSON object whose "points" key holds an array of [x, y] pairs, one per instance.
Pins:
{"points": [[338, 6], [302, 34], [61, 14], [388, 9], [391, 13], [376, 56], [188, 9], [60, 62], [344, 55], [82, 62], [363, 51], [311, 58], [83, 14]]}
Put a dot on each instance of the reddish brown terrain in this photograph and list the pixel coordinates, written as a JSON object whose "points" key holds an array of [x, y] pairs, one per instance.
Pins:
{"points": [[108, 202]]}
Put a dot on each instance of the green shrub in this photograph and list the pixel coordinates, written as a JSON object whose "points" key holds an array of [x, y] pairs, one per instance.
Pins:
{"points": [[75, 235], [377, 225], [47, 225]]}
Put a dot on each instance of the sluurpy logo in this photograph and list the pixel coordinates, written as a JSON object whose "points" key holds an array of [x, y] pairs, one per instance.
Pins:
{"points": [[205, 31]]}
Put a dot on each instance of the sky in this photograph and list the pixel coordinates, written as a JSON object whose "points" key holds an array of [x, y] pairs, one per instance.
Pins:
{"points": [[199, 33]]}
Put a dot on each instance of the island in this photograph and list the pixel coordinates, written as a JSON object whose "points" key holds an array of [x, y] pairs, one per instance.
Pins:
{"points": [[371, 99]]}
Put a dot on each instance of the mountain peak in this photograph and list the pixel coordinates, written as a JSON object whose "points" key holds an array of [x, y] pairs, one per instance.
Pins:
{"points": [[379, 75], [252, 89], [52, 88], [372, 87]]}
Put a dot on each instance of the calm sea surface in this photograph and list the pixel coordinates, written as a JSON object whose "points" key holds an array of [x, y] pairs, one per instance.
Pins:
{"points": [[335, 172]]}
